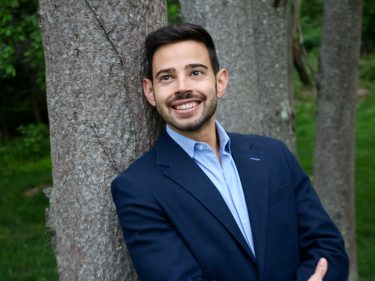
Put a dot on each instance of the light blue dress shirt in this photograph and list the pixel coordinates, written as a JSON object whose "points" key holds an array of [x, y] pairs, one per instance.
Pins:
{"points": [[223, 175]]}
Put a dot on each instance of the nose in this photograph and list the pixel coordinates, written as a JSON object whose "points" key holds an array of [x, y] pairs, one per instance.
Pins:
{"points": [[182, 86]]}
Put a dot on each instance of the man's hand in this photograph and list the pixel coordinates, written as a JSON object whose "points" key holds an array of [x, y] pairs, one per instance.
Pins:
{"points": [[320, 270]]}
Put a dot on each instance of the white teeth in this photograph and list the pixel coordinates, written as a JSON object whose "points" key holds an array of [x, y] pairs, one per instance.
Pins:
{"points": [[185, 106]]}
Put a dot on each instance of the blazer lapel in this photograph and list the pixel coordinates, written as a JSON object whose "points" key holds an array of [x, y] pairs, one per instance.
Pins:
{"points": [[186, 173], [251, 166]]}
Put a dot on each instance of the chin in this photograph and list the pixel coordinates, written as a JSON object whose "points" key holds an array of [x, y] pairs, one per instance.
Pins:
{"points": [[190, 126]]}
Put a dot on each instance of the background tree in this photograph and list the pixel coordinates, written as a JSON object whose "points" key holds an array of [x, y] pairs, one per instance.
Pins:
{"points": [[298, 50], [252, 39], [99, 123], [335, 132]]}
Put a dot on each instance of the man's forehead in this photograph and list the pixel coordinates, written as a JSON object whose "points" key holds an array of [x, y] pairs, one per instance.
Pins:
{"points": [[184, 52]]}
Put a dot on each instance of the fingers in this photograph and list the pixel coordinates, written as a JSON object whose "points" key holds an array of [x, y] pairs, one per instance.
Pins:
{"points": [[320, 270]]}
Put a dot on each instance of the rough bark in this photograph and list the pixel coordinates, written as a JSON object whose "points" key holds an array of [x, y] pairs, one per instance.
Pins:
{"points": [[252, 40], [334, 147], [99, 123]]}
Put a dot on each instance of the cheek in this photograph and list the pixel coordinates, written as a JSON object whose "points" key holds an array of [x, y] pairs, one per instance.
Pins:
{"points": [[209, 89], [161, 95]]}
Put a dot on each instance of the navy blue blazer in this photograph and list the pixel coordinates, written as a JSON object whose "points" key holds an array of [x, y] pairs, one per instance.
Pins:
{"points": [[177, 226]]}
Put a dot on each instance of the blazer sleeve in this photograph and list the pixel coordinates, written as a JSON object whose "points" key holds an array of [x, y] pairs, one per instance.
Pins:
{"points": [[318, 235], [156, 249]]}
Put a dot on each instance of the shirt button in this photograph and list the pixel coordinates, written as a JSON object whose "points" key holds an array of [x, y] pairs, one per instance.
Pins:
{"points": [[200, 146]]}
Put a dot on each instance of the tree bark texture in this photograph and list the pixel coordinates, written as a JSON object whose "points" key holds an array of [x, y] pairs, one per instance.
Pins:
{"points": [[335, 131], [253, 43], [99, 123]]}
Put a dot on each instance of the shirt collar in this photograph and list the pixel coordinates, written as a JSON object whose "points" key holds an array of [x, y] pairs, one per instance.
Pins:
{"points": [[188, 145], [224, 139]]}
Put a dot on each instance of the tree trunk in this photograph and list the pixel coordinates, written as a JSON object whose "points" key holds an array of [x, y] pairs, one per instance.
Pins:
{"points": [[99, 123], [252, 40], [334, 147]]}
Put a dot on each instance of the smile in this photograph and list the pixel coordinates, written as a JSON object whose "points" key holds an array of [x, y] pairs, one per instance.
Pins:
{"points": [[186, 106]]}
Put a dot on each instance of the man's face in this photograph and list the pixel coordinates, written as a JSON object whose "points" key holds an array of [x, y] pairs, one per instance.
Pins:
{"points": [[184, 88]]}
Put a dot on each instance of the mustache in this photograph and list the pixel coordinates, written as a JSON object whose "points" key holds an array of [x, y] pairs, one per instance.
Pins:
{"points": [[186, 95]]}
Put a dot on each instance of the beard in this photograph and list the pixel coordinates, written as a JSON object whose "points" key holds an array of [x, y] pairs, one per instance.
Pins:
{"points": [[190, 125]]}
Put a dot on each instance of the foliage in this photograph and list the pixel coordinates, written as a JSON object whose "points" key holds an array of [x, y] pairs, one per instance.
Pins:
{"points": [[11, 35], [20, 36], [367, 67], [22, 98], [33, 145], [174, 12], [368, 33], [311, 22], [35, 140]]}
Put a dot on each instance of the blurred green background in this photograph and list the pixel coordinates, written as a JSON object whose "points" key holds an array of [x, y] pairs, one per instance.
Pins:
{"points": [[25, 165]]}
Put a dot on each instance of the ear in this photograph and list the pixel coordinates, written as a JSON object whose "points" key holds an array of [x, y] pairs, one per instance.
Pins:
{"points": [[148, 90], [222, 79]]}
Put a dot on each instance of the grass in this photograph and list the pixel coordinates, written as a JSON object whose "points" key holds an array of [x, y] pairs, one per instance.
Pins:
{"points": [[25, 253], [365, 184]]}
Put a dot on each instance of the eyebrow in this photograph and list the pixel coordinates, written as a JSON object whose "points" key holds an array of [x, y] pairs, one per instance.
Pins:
{"points": [[194, 65], [171, 69], [165, 70]]}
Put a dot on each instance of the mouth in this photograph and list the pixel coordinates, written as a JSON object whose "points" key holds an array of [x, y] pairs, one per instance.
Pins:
{"points": [[185, 105]]}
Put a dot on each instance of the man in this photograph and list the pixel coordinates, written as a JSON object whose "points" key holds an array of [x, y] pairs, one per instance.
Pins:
{"points": [[204, 204]]}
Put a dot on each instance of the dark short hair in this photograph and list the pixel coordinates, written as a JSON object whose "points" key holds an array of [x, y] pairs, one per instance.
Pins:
{"points": [[174, 34]]}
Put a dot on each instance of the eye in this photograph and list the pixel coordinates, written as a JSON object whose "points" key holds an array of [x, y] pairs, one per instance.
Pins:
{"points": [[165, 77], [196, 73]]}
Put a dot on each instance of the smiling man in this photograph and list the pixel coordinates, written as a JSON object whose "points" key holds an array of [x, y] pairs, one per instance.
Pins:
{"points": [[204, 204]]}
